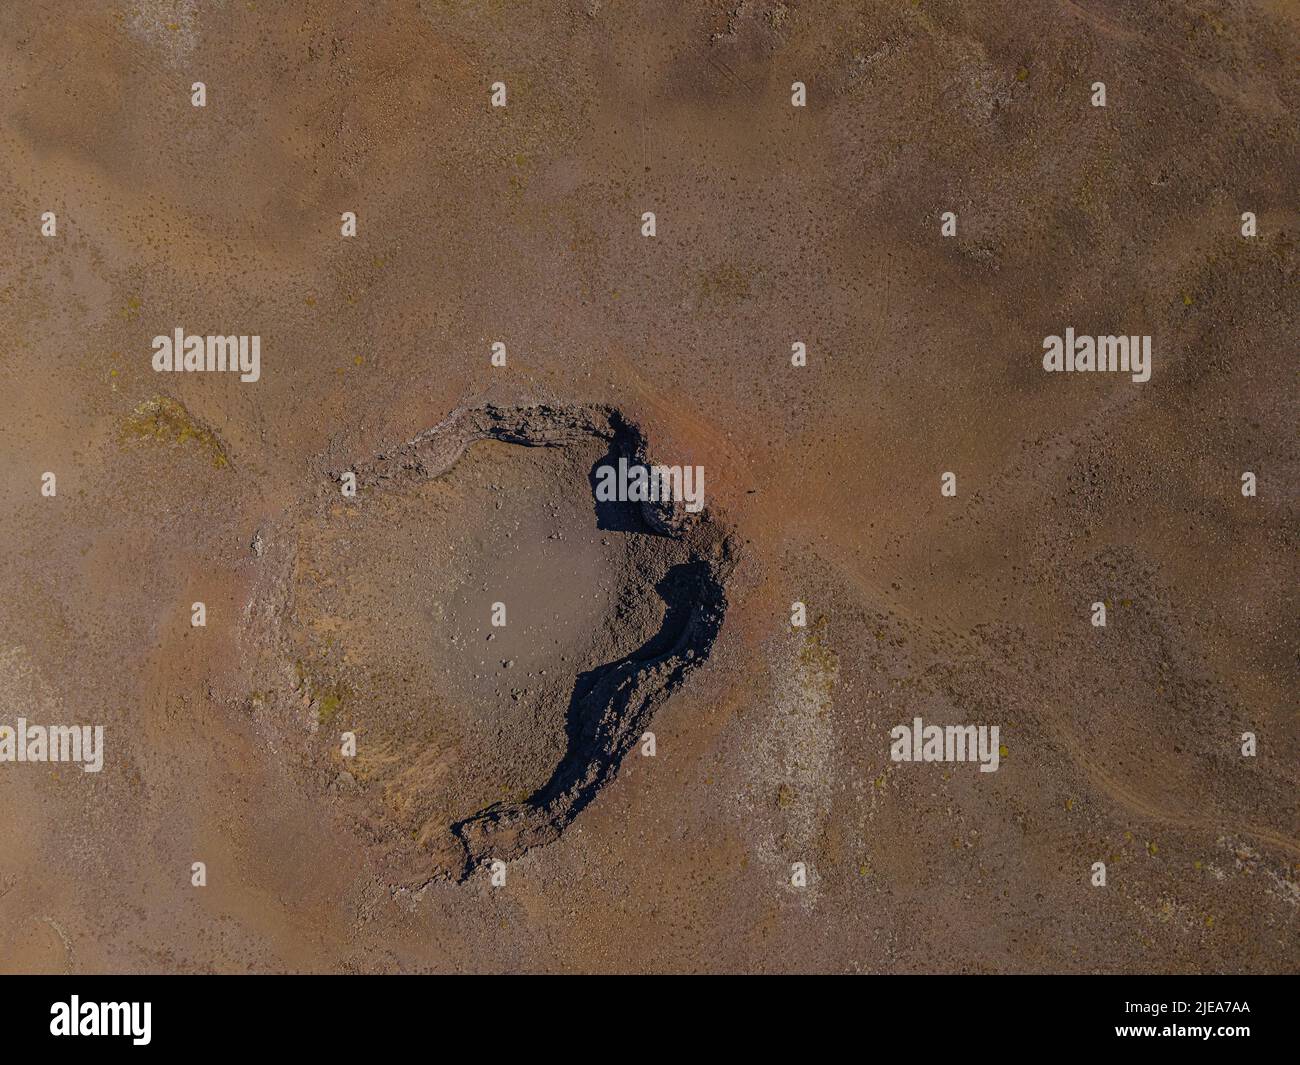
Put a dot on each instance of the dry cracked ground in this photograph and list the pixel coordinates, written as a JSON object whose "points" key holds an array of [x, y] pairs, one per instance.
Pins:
{"points": [[525, 743]]}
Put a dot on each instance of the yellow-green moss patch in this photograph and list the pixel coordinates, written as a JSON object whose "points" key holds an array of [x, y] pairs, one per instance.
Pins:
{"points": [[166, 421]]}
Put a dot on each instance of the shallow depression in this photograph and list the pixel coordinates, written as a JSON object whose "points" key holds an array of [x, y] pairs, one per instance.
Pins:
{"points": [[478, 739]]}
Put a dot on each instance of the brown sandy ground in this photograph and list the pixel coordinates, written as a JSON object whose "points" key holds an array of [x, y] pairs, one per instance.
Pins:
{"points": [[775, 224]]}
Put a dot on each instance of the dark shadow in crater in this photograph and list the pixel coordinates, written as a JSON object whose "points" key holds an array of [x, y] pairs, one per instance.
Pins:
{"points": [[607, 714], [615, 515], [626, 444], [597, 691]]}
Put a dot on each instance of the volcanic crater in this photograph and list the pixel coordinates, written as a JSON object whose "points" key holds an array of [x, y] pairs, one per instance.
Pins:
{"points": [[496, 638]]}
